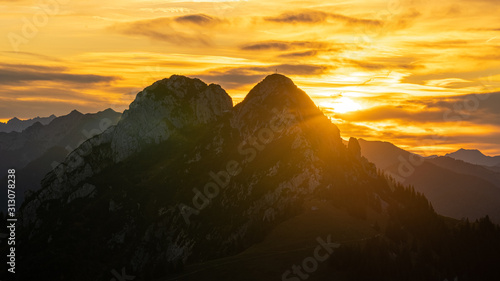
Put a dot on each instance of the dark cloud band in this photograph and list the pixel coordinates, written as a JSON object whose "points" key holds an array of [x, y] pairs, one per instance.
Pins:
{"points": [[15, 74]]}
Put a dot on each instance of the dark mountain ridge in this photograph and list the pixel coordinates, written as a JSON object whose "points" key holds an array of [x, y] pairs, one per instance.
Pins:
{"points": [[16, 125], [475, 156], [186, 178], [456, 188]]}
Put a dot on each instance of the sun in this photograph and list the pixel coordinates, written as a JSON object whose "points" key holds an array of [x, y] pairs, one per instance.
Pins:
{"points": [[345, 104], [342, 105]]}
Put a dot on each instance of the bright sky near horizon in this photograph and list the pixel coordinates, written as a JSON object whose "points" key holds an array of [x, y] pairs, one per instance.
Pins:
{"points": [[424, 75]]}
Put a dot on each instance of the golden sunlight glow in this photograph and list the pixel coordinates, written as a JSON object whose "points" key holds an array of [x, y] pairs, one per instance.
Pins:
{"points": [[406, 69], [341, 105]]}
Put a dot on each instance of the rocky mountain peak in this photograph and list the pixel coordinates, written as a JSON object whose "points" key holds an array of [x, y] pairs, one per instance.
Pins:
{"points": [[75, 112], [13, 121], [466, 151], [474, 156], [108, 110], [175, 86], [354, 148], [277, 90], [166, 106], [276, 93]]}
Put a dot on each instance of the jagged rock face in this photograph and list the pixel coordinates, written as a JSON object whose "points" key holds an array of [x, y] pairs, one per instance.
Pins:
{"points": [[274, 92], [162, 109], [165, 107], [278, 95], [251, 171], [354, 148], [202, 175]]}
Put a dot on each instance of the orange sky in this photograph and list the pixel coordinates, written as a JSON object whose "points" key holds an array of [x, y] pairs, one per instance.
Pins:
{"points": [[423, 74]]}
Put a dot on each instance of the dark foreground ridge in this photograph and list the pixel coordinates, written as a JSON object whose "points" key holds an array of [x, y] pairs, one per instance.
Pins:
{"points": [[186, 183]]}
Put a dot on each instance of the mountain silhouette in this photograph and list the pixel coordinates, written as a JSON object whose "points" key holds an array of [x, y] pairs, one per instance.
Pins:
{"points": [[39, 148], [16, 125], [475, 156], [185, 183], [456, 188]]}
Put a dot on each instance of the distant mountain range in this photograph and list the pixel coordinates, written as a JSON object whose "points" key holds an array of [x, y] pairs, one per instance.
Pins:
{"points": [[456, 188], [187, 186], [16, 125], [39, 148], [475, 156]]}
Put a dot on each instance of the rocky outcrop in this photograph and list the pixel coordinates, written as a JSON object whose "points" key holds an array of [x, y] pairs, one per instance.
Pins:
{"points": [[162, 109], [354, 148], [165, 107]]}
